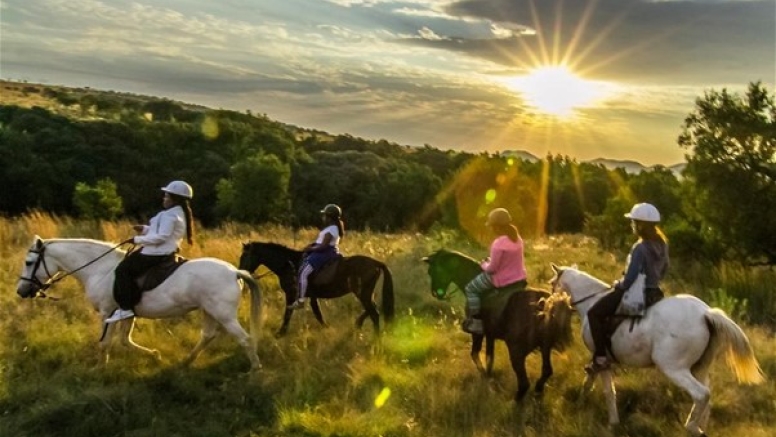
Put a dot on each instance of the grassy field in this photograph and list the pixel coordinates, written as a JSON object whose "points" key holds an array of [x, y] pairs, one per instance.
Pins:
{"points": [[416, 380]]}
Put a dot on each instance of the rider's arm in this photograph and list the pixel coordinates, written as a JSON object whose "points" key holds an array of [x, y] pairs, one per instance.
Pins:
{"points": [[493, 264], [637, 260], [163, 234]]}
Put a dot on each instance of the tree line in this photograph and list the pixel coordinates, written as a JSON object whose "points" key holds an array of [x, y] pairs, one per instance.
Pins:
{"points": [[251, 169]]}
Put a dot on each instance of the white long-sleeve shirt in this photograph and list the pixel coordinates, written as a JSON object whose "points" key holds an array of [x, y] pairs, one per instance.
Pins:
{"points": [[163, 233]]}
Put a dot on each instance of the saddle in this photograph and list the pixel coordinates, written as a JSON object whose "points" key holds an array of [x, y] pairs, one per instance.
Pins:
{"points": [[652, 297], [495, 300], [154, 276], [326, 274]]}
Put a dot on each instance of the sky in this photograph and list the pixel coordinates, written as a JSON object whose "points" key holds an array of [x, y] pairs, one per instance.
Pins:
{"points": [[583, 78]]}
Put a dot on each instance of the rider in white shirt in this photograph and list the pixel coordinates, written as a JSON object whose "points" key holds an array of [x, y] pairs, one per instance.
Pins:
{"points": [[324, 249], [160, 239]]}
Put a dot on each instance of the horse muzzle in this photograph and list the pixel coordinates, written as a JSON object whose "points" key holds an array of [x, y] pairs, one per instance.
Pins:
{"points": [[28, 289]]}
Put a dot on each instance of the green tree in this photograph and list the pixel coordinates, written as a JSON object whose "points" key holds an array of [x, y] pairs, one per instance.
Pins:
{"points": [[257, 190], [100, 201], [732, 164]]}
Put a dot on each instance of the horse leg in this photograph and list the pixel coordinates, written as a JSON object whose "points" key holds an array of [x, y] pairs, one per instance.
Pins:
{"points": [[317, 311], [490, 349], [366, 293], [517, 356], [361, 318], [105, 342], [233, 327], [699, 393], [546, 369], [475, 353], [208, 333], [610, 394], [126, 327], [286, 319]]}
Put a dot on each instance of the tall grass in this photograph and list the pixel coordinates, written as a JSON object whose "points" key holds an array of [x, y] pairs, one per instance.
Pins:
{"points": [[415, 380]]}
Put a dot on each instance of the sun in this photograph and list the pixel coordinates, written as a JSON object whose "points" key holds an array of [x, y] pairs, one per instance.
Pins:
{"points": [[555, 90]]}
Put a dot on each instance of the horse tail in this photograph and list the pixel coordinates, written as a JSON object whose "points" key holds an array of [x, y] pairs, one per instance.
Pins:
{"points": [[740, 356], [256, 305], [388, 302]]}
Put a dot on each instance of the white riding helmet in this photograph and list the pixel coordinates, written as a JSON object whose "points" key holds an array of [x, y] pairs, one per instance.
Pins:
{"points": [[179, 188], [644, 212]]}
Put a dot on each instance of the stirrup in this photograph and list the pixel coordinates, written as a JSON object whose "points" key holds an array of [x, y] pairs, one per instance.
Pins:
{"points": [[472, 326], [594, 367]]}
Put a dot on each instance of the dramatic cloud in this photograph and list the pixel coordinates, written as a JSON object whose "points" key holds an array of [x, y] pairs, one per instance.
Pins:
{"points": [[413, 71]]}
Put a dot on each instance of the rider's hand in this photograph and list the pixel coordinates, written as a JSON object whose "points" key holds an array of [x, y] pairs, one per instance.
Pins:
{"points": [[129, 241], [138, 228]]}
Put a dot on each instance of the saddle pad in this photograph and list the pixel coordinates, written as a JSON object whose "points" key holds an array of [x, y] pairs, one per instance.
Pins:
{"points": [[326, 274], [157, 274]]}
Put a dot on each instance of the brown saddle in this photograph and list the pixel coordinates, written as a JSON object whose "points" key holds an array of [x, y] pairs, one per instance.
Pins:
{"points": [[154, 276], [494, 301], [326, 274]]}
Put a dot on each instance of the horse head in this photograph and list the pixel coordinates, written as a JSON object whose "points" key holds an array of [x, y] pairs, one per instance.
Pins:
{"points": [[39, 271], [275, 257], [446, 267], [576, 283]]}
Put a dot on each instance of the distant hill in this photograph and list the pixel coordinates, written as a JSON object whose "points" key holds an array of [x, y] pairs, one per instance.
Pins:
{"points": [[65, 101]]}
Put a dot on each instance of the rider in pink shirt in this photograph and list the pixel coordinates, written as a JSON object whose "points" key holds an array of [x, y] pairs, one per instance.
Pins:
{"points": [[505, 263], [505, 266]]}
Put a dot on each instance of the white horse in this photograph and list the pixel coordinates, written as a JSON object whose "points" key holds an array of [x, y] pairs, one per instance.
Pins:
{"points": [[681, 335], [209, 284]]}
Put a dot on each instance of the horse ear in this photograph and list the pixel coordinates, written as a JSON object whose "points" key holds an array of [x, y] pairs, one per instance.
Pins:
{"points": [[555, 267], [38, 242], [425, 259]]}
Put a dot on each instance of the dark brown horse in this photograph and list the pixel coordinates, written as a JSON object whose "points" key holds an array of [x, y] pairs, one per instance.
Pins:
{"points": [[525, 320], [355, 274]]}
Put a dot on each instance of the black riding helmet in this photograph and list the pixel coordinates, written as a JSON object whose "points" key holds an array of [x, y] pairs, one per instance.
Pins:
{"points": [[332, 210]]}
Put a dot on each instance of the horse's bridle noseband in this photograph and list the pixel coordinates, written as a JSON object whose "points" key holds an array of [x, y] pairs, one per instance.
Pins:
{"points": [[52, 279]]}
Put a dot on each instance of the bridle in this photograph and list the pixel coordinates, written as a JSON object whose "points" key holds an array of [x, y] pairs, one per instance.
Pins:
{"points": [[57, 276]]}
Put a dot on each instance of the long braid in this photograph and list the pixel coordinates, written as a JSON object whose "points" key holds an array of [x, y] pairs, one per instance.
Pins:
{"points": [[189, 221]]}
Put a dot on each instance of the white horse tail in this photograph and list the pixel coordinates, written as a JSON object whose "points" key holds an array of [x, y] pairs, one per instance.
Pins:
{"points": [[739, 354], [256, 305]]}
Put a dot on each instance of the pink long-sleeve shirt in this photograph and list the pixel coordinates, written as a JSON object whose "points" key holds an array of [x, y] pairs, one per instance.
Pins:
{"points": [[506, 264]]}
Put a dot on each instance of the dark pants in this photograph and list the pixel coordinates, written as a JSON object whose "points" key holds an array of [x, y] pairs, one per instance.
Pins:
{"points": [[597, 317], [125, 290], [599, 314]]}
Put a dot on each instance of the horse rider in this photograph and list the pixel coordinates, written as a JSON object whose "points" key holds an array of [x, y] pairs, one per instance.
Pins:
{"points": [[649, 255], [325, 248], [504, 267], [160, 240]]}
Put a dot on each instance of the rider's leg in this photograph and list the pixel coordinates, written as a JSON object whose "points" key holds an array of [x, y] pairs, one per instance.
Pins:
{"points": [[596, 318], [304, 275], [473, 291]]}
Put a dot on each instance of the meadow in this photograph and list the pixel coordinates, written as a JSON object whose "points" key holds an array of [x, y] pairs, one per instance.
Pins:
{"points": [[414, 380]]}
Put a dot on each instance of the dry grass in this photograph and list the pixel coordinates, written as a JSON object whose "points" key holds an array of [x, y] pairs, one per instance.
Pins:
{"points": [[324, 382]]}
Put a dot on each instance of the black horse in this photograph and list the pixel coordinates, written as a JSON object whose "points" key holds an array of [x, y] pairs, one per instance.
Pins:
{"points": [[355, 274], [526, 320]]}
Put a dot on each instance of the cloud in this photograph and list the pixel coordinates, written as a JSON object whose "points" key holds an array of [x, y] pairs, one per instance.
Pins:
{"points": [[636, 40]]}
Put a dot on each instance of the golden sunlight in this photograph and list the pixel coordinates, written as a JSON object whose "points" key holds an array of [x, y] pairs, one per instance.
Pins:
{"points": [[555, 90]]}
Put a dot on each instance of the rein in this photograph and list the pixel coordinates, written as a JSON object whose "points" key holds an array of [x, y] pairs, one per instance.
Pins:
{"points": [[58, 276]]}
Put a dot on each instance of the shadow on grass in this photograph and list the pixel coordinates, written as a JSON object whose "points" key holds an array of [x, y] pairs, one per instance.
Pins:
{"points": [[172, 402]]}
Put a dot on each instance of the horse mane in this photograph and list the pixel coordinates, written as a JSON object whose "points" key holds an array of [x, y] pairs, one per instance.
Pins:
{"points": [[454, 253], [272, 245], [556, 316], [84, 241], [587, 277]]}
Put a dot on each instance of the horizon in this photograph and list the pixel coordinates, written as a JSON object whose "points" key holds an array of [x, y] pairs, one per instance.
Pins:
{"points": [[592, 79]]}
